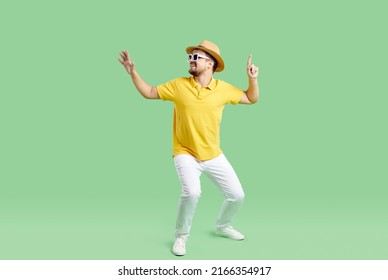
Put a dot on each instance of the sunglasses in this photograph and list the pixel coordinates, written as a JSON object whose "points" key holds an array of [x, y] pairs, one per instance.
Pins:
{"points": [[196, 56]]}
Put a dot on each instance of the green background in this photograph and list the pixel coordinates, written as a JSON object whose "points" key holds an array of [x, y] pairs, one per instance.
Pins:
{"points": [[86, 167]]}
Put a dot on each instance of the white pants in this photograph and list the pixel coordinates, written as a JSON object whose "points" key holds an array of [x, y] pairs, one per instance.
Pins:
{"points": [[221, 172]]}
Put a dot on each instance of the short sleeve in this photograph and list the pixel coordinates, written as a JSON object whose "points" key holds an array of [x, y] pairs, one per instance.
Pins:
{"points": [[233, 94], [167, 91]]}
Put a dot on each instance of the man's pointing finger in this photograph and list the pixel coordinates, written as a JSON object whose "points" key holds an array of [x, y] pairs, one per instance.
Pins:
{"points": [[249, 60]]}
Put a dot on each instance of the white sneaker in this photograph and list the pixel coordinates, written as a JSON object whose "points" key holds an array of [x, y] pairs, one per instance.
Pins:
{"points": [[179, 248], [229, 232]]}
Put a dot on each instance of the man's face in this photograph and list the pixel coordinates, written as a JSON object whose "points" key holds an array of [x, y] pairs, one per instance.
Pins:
{"points": [[200, 65]]}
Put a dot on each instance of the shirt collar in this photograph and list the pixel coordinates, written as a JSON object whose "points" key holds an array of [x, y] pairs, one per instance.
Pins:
{"points": [[210, 86]]}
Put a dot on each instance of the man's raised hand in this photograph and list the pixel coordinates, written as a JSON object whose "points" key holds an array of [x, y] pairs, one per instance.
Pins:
{"points": [[126, 61], [252, 70]]}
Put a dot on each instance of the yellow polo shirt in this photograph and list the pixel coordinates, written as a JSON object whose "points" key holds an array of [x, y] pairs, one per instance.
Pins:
{"points": [[197, 114]]}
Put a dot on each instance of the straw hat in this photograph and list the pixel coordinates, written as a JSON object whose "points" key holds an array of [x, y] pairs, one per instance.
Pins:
{"points": [[211, 49]]}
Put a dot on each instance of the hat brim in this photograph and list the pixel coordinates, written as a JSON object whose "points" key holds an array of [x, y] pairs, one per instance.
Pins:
{"points": [[220, 61]]}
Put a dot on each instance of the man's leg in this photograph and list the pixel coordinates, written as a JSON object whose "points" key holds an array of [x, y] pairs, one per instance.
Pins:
{"points": [[189, 171], [221, 172]]}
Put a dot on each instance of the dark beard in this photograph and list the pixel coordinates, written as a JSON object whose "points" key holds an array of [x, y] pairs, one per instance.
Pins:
{"points": [[194, 72]]}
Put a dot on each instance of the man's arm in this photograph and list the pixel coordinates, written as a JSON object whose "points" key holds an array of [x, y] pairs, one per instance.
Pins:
{"points": [[251, 95], [145, 89]]}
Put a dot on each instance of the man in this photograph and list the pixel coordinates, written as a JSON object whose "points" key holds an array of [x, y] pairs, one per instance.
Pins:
{"points": [[198, 104]]}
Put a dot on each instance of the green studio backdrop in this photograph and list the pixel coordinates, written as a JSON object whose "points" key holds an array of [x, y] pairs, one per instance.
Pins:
{"points": [[86, 166]]}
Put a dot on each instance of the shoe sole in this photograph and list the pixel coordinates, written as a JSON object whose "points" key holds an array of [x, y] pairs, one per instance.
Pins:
{"points": [[179, 254], [220, 234]]}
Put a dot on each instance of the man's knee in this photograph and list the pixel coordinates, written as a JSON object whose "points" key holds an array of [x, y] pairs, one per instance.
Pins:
{"points": [[191, 194], [240, 196], [237, 196]]}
